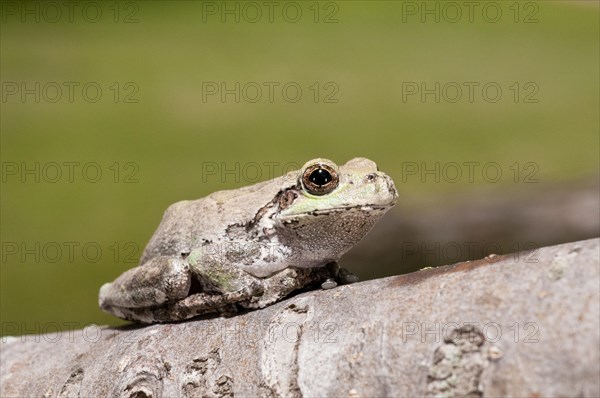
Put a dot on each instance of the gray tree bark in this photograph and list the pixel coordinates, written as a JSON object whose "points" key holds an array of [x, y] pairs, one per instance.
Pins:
{"points": [[514, 325]]}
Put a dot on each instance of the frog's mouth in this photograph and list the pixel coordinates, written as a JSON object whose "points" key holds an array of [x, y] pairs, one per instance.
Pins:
{"points": [[350, 210]]}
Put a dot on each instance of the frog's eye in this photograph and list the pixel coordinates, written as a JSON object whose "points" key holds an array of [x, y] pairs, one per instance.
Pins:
{"points": [[319, 179]]}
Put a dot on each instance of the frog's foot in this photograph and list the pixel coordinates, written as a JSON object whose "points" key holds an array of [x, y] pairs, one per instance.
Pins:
{"points": [[279, 285], [333, 275], [194, 305], [345, 277]]}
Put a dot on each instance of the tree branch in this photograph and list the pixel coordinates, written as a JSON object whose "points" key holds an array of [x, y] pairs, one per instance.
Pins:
{"points": [[514, 325]]}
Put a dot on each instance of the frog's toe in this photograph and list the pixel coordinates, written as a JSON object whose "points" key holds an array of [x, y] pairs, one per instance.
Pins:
{"points": [[329, 283], [346, 276]]}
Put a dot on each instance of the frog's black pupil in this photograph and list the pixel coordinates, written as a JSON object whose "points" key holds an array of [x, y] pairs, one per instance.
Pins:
{"points": [[320, 177]]}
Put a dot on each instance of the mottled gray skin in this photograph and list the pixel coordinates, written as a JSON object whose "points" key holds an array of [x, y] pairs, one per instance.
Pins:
{"points": [[252, 246]]}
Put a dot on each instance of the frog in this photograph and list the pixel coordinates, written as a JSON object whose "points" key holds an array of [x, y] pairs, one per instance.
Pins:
{"points": [[244, 249]]}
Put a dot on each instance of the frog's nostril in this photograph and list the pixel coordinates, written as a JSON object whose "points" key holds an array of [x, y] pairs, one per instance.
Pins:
{"points": [[371, 177]]}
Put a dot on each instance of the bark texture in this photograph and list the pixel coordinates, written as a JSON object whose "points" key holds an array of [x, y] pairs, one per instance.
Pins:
{"points": [[522, 325]]}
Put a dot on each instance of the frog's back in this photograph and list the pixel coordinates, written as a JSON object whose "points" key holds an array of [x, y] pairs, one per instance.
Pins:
{"points": [[191, 223]]}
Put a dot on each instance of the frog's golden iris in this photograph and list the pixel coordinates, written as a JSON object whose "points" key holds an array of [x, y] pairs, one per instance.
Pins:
{"points": [[320, 179]]}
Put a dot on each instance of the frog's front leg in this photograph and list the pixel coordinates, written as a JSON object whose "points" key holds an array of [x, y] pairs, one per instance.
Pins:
{"points": [[335, 275], [279, 285]]}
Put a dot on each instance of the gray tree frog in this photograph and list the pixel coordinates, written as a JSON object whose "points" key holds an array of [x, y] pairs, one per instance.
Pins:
{"points": [[253, 246]]}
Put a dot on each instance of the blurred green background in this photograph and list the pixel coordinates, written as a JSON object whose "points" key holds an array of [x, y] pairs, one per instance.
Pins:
{"points": [[154, 128]]}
